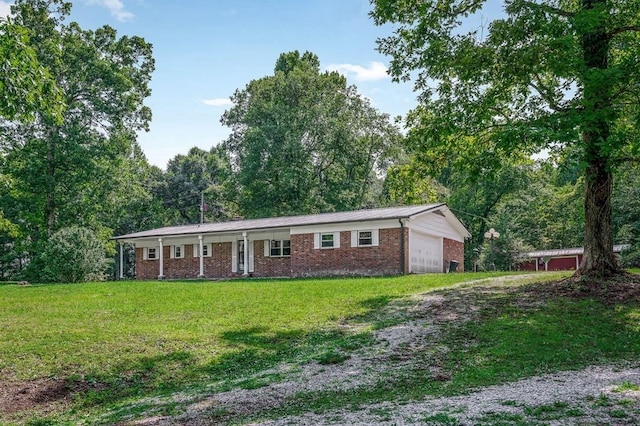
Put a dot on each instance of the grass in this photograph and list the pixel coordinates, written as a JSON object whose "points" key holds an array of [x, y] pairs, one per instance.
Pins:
{"points": [[118, 340], [123, 342], [507, 342]]}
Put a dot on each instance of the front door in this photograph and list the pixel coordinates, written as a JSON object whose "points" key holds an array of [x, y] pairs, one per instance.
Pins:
{"points": [[241, 256]]}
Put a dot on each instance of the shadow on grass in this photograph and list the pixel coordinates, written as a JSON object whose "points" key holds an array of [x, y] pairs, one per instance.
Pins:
{"points": [[491, 334], [513, 334], [254, 352]]}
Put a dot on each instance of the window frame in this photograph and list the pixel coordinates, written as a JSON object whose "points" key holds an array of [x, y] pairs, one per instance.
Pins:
{"points": [[177, 251], [370, 238], [280, 247], [322, 240], [207, 249], [155, 253]]}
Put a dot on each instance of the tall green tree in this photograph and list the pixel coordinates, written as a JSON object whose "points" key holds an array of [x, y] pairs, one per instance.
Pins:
{"points": [[554, 74], [190, 179], [303, 141], [75, 163], [61, 169], [25, 84], [26, 87]]}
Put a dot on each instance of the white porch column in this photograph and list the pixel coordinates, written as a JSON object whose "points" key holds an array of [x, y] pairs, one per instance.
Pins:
{"points": [[246, 255], [121, 259], [161, 260], [577, 262], [201, 251]]}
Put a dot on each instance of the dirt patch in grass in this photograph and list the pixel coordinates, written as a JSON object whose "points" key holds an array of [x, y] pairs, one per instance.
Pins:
{"points": [[587, 397], [42, 394]]}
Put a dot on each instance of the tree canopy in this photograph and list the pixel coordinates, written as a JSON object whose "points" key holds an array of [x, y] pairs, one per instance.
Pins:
{"points": [[59, 170], [303, 141], [555, 75]]}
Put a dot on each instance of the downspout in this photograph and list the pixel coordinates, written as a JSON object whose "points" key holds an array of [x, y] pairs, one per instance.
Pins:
{"points": [[402, 249], [121, 268]]}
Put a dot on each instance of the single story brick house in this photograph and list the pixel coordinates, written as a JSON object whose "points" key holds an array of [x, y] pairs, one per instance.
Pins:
{"points": [[386, 241], [558, 259]]}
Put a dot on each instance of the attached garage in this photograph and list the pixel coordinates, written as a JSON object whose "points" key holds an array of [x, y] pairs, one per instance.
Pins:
{"points": [[425, 253]]}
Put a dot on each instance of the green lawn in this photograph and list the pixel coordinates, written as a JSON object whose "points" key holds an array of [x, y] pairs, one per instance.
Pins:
{"points": [[118, 342], [140, 337]]}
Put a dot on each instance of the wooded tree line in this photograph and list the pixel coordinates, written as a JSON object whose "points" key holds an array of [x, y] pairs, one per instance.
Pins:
{"points": [[303, 141]]}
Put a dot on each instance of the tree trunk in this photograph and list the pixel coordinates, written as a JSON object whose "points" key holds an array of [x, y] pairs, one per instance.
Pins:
{"points": [[598, 260], [50, 200]]}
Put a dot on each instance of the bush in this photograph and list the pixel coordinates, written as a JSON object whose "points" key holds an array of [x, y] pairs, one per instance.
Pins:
{"points": [[631, 257], [73, 254]]}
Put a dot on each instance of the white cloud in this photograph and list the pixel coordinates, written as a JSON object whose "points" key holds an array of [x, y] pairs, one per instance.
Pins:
{"points": [[375, 71], [217, 102], [116, 7], [5, 9]]}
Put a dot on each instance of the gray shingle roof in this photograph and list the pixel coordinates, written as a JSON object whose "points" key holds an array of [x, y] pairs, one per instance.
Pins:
{"points": [[286, 222]]}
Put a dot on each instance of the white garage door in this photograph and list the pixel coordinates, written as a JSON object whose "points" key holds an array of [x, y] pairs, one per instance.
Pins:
{"points": [[425, 253]]}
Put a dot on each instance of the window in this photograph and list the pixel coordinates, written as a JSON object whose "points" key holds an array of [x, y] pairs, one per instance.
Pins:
{"points": [[365, 238], [280, 248], [177, 252], [326, 240], [206, 250], [152, 253]]}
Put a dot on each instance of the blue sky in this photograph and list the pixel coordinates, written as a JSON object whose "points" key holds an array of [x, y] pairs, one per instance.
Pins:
{"points": [[206, 49]]}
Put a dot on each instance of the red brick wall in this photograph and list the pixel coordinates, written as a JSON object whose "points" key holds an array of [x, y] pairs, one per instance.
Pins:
{"points": [[218, 265], [269, 266], [452, 250], [145, 269], [385, 259], [346, 260]]}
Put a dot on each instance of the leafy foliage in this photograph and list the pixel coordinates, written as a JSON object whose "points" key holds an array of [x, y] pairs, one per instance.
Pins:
{"points": [[72, 255], [626, 205], [190, 177], [104, 80], [78, 169], [303, 141], [26, 85], [545, 75]]}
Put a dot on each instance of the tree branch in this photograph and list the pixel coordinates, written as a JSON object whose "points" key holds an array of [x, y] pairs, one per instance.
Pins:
{"points": [[549, 9], [538, 86], [621, 30], [464, 8], [632, 160]]}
